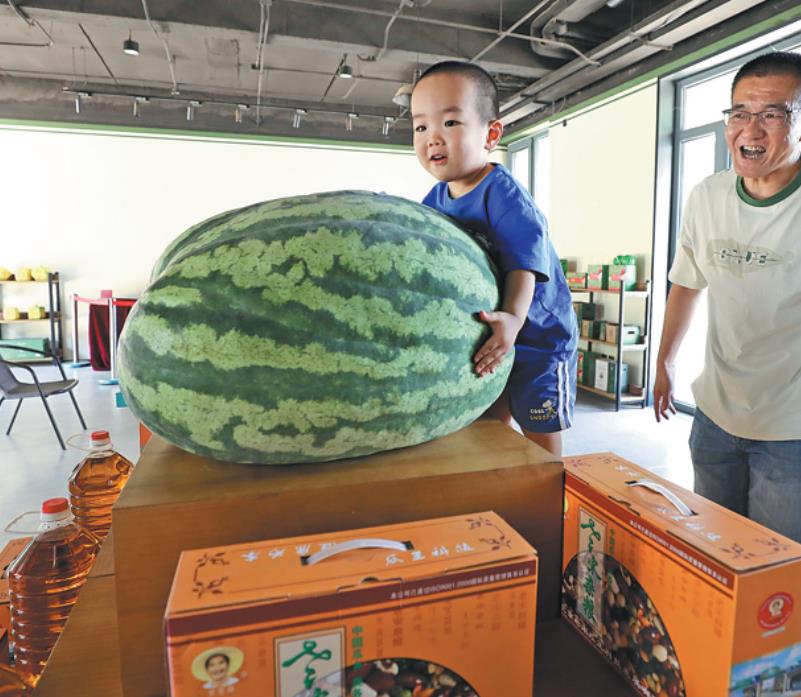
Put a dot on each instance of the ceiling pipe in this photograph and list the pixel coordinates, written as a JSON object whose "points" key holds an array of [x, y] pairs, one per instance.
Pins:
{"points": [[170, 57], [31, 23], [616, 48], [571, 13]]}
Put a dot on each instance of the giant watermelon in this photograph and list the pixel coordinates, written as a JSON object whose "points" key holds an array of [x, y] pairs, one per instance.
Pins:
{"points": [[311, 328]]}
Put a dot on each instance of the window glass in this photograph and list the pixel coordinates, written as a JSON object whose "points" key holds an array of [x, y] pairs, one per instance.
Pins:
{"points": [[542, 177], [704, 101], [518, 165]]}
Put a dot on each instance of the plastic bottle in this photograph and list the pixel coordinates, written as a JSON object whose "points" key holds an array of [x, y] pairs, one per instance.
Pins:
{"points": [[44, 582], [95, 484]]}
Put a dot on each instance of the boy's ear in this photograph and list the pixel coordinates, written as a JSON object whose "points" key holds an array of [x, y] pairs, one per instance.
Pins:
{"points": [[494, 133]]}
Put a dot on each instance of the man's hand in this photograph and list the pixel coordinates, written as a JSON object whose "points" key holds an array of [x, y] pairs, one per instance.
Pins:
{"points": [[663, 392], [505, 327]]}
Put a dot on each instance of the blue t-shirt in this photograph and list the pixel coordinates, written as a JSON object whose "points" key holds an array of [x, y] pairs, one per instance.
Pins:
{"points": [[502, 214]]}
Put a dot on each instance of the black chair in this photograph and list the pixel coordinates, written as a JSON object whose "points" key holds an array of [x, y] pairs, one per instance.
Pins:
{"points": [[11, 388]]}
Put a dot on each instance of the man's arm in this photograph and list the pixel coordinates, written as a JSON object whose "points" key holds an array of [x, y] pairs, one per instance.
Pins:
{"points": [[681, 305], [506, 323]]}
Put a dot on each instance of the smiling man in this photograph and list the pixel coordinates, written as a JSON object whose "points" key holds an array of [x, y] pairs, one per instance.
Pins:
{"points": [[741, 240]]}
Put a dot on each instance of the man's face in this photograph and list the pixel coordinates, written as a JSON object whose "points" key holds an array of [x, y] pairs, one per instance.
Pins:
{"points": [[451, 139], [758, 152], [217, 668]]}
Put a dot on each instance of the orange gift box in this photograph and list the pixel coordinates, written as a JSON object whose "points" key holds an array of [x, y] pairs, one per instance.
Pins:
{"points": [[431, 607], [682, 596]]}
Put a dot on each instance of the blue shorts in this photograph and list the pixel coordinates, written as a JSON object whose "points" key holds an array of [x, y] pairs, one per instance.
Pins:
{"points": [[542, 394]]}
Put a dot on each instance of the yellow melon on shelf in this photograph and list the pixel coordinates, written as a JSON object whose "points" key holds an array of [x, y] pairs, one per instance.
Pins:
{"points": [[23, 274]]}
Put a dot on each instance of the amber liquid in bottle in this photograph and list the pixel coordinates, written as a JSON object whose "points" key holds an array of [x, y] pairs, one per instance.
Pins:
{"points": [[44, 582], [96, 483], [11, 684]]}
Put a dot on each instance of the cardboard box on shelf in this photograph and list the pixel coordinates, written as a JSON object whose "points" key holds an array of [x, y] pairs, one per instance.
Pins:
{"points": [[598, 276], [606, 375], [589, 329], [682, 596], [576, 279], [622, 276], [631, 333], [176, 501], [432, 605], [588, 310]]}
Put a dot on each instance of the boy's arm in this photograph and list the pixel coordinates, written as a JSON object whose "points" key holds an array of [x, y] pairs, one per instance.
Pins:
{"points": [[506, 323]]}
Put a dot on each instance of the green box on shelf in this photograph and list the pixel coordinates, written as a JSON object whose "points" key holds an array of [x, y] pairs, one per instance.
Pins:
{"points": [[576, 279], [563, 263], [601, 331], [598, 277], [590, 359], [10, 354], [622, 275], [605, 375], [589, 310]]}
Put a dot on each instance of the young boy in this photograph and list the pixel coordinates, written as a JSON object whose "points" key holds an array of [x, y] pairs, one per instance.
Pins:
{"points": [[455, 120]]}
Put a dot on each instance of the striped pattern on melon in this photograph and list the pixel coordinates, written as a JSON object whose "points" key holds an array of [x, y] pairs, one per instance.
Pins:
{"points": [[311, 328]]}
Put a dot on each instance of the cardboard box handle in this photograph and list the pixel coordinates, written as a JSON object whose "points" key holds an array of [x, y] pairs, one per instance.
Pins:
{"points": [[682, 507], [350, 545]]}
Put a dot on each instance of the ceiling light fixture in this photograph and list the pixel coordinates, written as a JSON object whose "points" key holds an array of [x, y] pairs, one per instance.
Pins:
{"points": [[190, 108], [130, 46], [403, 96], [349, 119], [136, 102], [614, 3], [297, 117], [388, 122], [346, 72], [238, 112], [79, 97]]}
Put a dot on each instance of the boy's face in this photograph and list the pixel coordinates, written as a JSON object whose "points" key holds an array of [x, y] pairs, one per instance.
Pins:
{"points": [[451, 140]]}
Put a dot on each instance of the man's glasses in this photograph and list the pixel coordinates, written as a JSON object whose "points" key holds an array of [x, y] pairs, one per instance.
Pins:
{"points": [[768, 119]]}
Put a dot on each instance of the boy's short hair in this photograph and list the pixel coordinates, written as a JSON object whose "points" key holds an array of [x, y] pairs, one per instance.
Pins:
{"points": [[485, 86], [774, 63]]}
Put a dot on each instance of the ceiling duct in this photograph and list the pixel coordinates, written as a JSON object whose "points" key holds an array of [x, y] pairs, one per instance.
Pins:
{"points": [[555, 23]]}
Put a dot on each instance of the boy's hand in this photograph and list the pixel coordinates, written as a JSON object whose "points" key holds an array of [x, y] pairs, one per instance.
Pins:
{"points": [[505, 327]]}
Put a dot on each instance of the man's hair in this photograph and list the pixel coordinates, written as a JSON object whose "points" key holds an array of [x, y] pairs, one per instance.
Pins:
{"points": [[485, 86], [774, 63]]}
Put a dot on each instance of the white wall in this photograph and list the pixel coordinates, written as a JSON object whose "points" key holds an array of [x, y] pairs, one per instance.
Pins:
{"points": [[99, 208], [602, 173], [602, 181]]}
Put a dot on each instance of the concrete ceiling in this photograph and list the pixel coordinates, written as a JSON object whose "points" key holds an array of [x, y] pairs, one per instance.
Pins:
{"points": [[62, 60]]}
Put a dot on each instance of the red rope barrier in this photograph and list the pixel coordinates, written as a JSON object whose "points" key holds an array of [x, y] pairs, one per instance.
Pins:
{"points": [[104, 301]]}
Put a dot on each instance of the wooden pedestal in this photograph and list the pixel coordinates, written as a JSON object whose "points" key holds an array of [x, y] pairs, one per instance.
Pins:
{"points": [[176, 501]]}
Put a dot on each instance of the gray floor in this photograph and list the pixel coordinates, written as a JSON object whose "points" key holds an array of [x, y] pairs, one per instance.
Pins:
{"points": [[33, 467]]}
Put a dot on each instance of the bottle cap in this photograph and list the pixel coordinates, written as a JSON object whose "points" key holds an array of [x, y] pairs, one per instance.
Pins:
{"points": [[55, 509], [99, 435]]}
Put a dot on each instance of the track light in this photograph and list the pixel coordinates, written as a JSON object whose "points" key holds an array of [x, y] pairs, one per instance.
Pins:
{"points": [[136, 102], [388, 121], [403, 97], [346, 72], [297, 116], [238, 112], [349, 119], [130, 46], [190, 108], [79, 97]]}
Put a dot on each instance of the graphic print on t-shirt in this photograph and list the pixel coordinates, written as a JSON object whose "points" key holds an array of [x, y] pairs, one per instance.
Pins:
{"points": [[741, 259]]}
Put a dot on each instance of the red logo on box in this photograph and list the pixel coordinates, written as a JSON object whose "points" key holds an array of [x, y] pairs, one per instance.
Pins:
{"points": [[775, 611]]}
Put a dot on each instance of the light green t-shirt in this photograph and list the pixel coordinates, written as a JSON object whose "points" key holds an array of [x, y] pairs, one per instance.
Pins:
{"points": [[746, 252]]}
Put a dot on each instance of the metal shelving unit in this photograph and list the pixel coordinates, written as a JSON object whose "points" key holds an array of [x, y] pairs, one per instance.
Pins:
{"points": [[53, 315], [618, 349]]}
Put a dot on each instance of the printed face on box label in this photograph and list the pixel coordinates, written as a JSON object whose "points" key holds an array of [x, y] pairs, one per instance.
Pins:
{"points": [[775, 611], [216, 669]]}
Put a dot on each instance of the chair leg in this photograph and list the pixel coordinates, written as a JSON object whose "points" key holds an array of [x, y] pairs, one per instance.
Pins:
{"points": [[53, 421], [14, 418], [2, 399], [75, 404]]}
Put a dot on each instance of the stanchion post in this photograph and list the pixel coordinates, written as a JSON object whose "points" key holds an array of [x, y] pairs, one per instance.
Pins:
{"points": [[75, 358], [112, 338]]}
